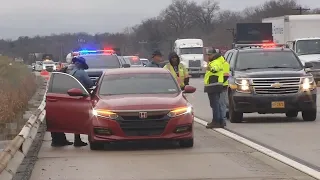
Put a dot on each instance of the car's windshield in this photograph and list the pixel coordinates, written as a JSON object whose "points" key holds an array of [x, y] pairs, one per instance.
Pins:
{"points": [[102, 61], [134, 60], [148, 83], [192, 50], [305, 47], [267, 59]]}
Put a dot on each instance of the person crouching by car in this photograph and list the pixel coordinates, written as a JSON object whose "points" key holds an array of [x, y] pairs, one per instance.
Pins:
{"points": [[177, 69]]}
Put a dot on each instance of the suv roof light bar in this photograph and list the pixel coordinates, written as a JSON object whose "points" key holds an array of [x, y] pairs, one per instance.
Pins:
{"points": [[258, 45]]}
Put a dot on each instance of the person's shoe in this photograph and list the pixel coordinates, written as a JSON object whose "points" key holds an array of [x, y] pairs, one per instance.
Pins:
{"points": [[80, 144], [212, 125]]}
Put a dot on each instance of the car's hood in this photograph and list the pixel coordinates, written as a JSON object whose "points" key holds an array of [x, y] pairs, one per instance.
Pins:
{"points": [[309, 57], [265, 73], [141, 102], [94, 70], [191, 57]]}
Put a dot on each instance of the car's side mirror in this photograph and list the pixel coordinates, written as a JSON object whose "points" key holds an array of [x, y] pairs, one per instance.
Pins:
{"points": [[189, 89], [126, 65], [76, 92], [308, 65]]}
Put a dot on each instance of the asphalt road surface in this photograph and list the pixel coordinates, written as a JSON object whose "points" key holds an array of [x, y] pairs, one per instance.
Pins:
{"points": [[292, 137], [214, 156]]}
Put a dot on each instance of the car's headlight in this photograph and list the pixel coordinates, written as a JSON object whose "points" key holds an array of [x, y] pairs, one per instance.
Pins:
{"points": [[205, 64], [308, 83], [243, 85], [104, 113], [180, 111]]}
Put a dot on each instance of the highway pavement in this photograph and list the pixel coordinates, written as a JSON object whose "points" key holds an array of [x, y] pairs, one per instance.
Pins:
{"points": [[214, 156], [292, 137]]}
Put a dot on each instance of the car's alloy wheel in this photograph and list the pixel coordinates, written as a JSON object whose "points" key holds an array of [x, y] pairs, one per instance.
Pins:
{"points": [[186, 143], [309, 115]]}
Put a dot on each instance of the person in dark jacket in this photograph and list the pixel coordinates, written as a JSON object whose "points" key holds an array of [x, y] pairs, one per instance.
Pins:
{"points": [[78, 72], [156, 59], [178, 70]]}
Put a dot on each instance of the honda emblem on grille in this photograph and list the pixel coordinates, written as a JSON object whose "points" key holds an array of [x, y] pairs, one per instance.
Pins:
{"points": [[276, 85], [143, 115]]}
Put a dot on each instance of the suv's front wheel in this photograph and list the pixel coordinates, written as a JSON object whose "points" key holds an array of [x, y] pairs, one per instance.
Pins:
{"points": [[309, 115], [234, 117]]}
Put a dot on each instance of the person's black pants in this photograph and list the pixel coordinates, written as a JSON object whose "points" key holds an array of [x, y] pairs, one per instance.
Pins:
{"points": [[58, 137]]}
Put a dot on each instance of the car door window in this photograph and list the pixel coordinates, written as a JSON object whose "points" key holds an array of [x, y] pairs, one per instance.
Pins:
{"points": [[60, 83]]}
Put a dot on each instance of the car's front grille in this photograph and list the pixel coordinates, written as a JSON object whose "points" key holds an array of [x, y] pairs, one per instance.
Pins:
{"points": [[315, 65], [152, 124], [194, 63], [276, 85]]}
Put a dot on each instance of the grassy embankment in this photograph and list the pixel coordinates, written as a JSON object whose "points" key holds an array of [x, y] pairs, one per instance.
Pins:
{"points": [[17, 86]]}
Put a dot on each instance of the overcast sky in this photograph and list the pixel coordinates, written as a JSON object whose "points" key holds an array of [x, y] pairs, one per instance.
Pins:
{"points": [[32, 17]]}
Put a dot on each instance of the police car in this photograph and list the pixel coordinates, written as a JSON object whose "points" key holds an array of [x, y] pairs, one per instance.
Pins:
{"points": [[266, 78], [100, 60]]}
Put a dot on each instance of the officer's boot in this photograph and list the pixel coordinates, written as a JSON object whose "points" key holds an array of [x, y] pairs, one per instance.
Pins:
{"points": [[213, 124], [78, 142]]}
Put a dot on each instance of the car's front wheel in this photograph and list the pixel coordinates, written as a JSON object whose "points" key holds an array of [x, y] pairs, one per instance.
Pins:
{"points": [[186, 143], [309, 115], [234, 117]]}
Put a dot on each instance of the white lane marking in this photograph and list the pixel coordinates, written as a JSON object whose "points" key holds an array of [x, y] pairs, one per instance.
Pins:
{"points": [[303, 168]]}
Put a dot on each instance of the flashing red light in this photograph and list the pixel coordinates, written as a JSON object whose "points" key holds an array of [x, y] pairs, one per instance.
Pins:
{"points": [[108, 51], [134, 58], [268, 45]]}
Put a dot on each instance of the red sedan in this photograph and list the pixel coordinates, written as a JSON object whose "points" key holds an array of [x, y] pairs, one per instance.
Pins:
{"points": [[127, 104]]}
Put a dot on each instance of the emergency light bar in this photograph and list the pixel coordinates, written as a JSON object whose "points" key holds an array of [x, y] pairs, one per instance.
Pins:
{"points": [[266, 45], [86, 52]]}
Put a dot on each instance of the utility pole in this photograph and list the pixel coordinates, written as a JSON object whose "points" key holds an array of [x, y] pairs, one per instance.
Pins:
{"points": [[300, 9], [233, 31]]}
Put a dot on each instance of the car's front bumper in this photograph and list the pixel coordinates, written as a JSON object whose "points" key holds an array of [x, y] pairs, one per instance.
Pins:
{"points": [[118, 134], [196, 70], [248, 103]]}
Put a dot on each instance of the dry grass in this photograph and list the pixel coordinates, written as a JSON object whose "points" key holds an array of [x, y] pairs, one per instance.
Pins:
{"points": [[17, 85]]}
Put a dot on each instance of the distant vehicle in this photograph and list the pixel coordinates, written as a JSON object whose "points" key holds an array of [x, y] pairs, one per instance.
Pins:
{"points": [[191, 56], [38, 66], [301, 33], [134, 61], [100, 60], [144, 61], [49, 65], [126, 105]]}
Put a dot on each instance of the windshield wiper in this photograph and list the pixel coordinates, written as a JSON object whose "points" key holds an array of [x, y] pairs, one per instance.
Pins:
{"points": [[245, 69], [270, 67]]}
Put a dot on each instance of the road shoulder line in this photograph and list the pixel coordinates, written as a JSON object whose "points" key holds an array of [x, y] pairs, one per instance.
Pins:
{"points": [[303, 168]]}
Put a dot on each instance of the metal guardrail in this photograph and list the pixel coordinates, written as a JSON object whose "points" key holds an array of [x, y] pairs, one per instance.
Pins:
{"points": [[16, 150]]}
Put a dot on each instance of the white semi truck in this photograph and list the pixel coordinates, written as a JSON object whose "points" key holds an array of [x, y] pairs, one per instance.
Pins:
{"points": [[191, 56], [301, 33]]}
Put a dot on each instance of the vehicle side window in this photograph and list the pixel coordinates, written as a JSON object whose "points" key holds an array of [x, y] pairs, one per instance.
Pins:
{"points": [[60, 83], [232, 61]]}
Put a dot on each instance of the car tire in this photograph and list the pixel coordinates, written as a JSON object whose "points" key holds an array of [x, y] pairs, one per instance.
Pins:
{"points": [[234, 117], [96, 146], [292, 114], [309, 115], [186, 143]]}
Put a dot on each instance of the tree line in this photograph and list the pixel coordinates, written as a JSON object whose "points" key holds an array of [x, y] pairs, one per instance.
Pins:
{"points": [[181, 19]]}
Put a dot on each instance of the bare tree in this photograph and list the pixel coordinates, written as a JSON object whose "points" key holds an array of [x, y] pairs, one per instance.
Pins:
{"points": [[206, 14]]}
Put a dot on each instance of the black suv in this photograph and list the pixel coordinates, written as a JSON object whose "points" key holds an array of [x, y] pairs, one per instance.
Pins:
{"points": [[99, 62], [269, 80]]}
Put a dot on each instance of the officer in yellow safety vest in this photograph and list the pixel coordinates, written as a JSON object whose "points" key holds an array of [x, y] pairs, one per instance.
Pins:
{"points": [[224, 95], [177, 70], [213, 81]]}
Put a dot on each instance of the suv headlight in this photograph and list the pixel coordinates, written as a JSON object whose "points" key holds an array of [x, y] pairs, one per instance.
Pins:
{"points": [[205, 64], [243, 85], [308, 83]]}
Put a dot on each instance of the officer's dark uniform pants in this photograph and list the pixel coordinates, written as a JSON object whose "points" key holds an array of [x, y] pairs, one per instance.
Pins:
{"points": [[216, 108], [58, 138]]}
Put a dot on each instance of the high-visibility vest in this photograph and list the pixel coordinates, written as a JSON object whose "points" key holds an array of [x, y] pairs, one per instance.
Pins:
{"points": [[183, 73], [226, 73], [215, 74]]}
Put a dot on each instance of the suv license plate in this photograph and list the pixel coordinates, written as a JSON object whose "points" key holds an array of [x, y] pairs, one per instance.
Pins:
{"points": [[277, 104]]}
